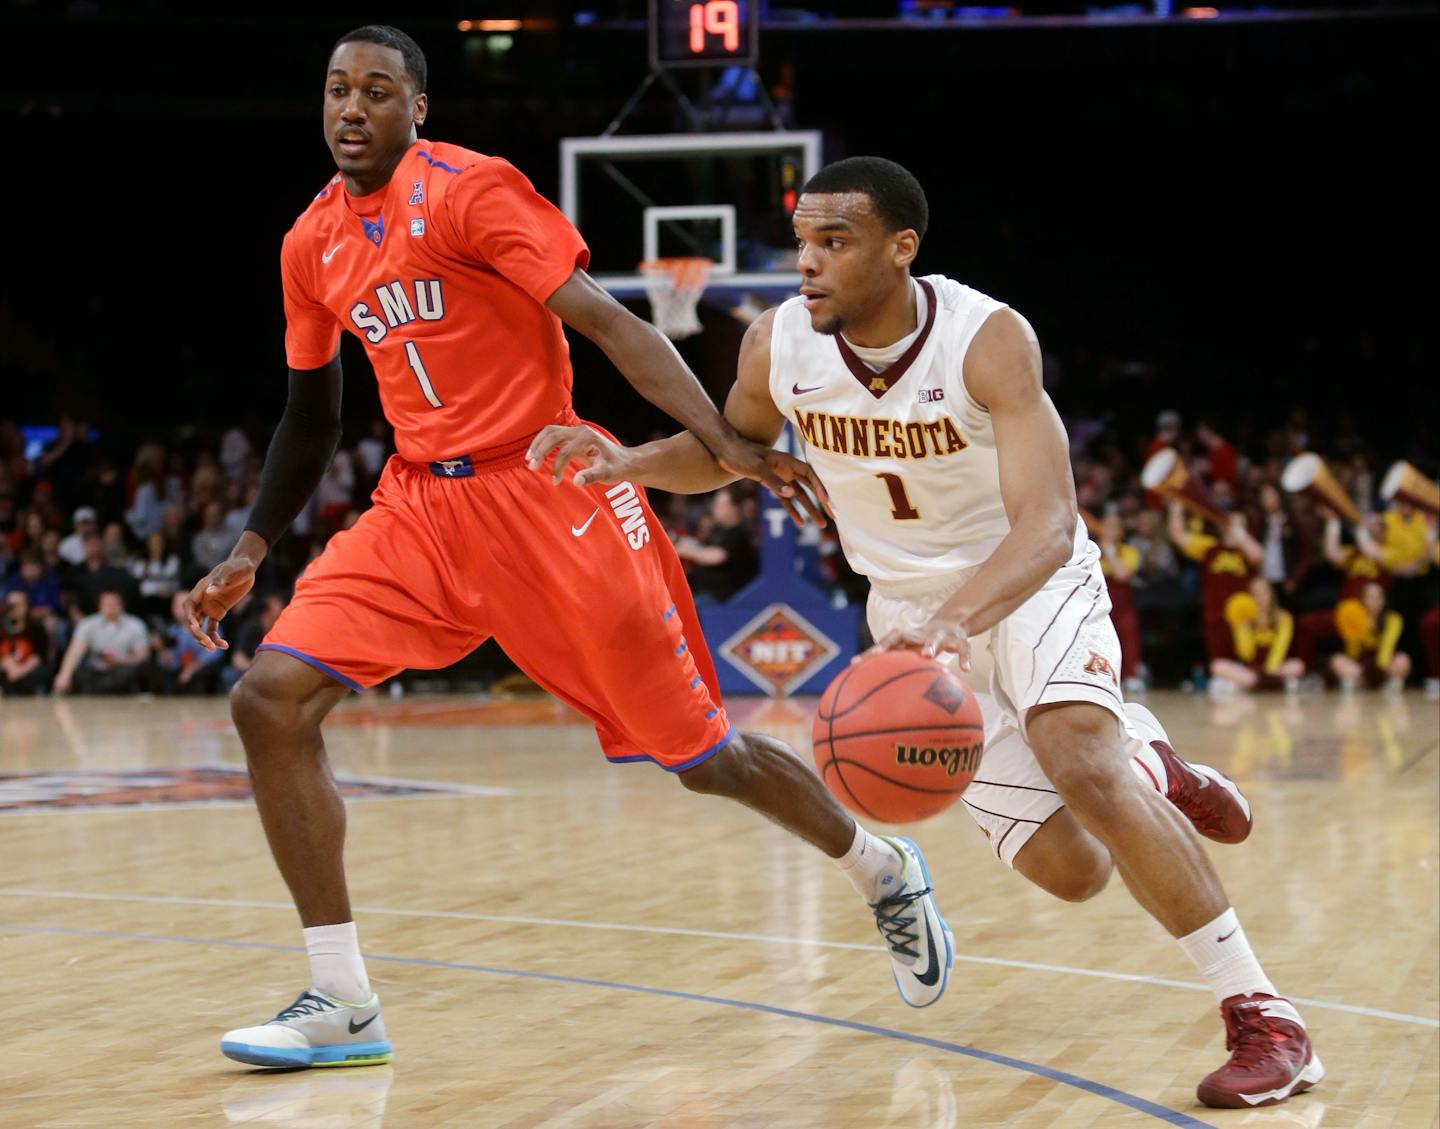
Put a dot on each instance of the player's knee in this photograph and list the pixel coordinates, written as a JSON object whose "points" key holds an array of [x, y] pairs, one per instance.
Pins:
{"points": [[1080, 752], [1065, 861], [725, 773], [265, 702], [1083, 880]]}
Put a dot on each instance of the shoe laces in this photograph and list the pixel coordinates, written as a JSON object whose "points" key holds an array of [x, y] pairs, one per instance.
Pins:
{"points": [[896, 922], [1250, 1036], [305, 1005]]}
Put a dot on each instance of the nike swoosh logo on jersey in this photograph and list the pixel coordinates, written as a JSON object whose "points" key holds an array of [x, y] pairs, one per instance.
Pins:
{"points": [[579, 530], [356, 1028], [932, 968], [796, 390], [326, 256]]}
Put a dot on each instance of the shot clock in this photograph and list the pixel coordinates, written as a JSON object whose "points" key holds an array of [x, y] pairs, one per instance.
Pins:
{"points": [[703, 33]]}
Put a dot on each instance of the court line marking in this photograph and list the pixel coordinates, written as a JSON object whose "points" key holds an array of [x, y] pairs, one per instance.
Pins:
{"points": [[1099, 1089], [713, 934]]}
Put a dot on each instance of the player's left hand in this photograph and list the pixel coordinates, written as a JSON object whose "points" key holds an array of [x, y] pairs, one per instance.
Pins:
{"points": [[939, 636], [598, 458]]}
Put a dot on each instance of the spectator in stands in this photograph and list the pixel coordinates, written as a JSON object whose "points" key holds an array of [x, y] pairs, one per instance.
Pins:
{"points": [[248, 636], [1430, 638], [158, 574], [96, 575], [1359, 564], [72, 548], [115, 547], [1222, 461], [235, 453], [213, 543], [24, 649], [243, 497], [147, 509], [1407, 549], [1261, 634], [39, 584], [1121, 563], [67, 457], [335, 494], [7, 510], [1157, 555], [1227, 565], [184, 666], [29, 530], [725, 558], [1286, 553], [370, 455], [1369, 632], [109, 654], [1167, 432]]}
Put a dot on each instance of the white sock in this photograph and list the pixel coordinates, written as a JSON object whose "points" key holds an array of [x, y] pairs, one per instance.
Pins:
{"points": [[336, 969], [872, 865], [1223, 956]]}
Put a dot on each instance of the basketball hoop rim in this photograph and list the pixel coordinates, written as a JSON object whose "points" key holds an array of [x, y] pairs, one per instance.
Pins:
{"points": [[686, 273]]}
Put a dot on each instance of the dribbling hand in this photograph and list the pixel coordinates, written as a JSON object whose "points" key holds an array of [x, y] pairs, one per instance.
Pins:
{"points": [[939, 636]]}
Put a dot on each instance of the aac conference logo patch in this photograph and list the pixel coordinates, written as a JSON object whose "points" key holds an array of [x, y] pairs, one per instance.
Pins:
{"points": [[779, 650], [176, 787]]}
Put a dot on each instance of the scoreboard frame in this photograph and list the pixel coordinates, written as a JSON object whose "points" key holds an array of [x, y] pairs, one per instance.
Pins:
{"points": [[677, 25]]}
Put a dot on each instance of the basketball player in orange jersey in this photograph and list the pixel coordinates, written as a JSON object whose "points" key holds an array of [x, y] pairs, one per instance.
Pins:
{"points": [[457, 276], [948, 473]]}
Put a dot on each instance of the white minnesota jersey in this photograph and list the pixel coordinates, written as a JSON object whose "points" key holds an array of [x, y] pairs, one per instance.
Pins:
{"points": [[907, 455]]}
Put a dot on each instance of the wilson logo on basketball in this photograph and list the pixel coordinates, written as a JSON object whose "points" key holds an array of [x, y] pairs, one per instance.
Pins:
{"points": [[1099, 664], [965, 758]]}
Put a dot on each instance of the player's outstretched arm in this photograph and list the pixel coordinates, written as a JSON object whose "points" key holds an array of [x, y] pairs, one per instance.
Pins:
{"points": [[647, 359], [301, 448], [682, 464], [1002, 371]]}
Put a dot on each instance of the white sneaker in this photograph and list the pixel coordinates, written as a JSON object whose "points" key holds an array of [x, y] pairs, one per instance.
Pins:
{"points": [[922, 948], [313, 1031]]}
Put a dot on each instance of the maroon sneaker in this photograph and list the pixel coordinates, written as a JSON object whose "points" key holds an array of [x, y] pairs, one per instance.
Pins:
{"points": [[1207, 798], [1270, 1055]]}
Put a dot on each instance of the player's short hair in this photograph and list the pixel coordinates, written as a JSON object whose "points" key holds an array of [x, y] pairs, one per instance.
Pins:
{"points": [[897, 196], [387, 36]]}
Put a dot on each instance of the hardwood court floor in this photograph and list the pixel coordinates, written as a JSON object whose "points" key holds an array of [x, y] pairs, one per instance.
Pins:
{"points": [[566, 943]]}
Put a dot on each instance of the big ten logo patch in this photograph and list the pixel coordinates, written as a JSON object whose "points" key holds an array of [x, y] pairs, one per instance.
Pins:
{"points": [[779, 650]]}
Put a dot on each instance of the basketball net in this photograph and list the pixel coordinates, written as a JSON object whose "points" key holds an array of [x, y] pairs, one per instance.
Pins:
{"points": [[674, 287]]}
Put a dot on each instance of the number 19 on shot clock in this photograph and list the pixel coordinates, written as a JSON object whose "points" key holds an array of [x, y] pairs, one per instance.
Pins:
{"points": [[703, 33]]}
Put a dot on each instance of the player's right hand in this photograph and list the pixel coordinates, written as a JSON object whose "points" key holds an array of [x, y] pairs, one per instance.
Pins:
{"points": [[215, 595]]}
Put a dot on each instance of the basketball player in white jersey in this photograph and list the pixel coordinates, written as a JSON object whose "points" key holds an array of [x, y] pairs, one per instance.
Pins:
{"points": [[947, 470]]}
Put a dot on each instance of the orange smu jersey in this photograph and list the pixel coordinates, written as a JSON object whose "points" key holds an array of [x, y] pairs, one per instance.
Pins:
{"points": [[443, 274]]}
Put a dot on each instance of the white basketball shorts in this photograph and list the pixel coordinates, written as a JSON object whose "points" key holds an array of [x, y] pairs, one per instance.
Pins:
{"points": [[1058, 646]]}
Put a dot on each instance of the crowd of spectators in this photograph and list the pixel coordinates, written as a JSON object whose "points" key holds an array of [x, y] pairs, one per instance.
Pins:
{"points": [[1273, 591], [97, 555], [1258, 588]]}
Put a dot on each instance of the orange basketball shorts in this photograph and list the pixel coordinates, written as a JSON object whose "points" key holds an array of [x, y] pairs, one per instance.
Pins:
{"points": [[579, 585]]}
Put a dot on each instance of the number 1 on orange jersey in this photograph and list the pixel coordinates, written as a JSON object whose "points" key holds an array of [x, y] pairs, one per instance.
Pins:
{"points": [[417, 366]]}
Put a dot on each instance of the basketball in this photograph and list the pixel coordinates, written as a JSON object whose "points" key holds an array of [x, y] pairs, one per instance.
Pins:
{"points": [[897, 737]]}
